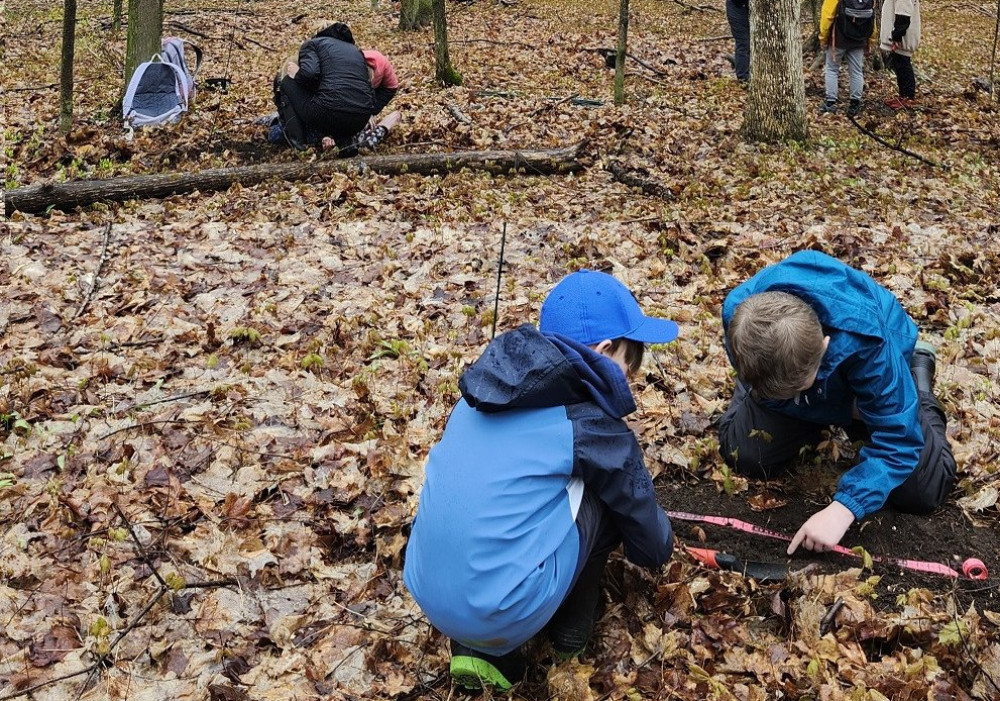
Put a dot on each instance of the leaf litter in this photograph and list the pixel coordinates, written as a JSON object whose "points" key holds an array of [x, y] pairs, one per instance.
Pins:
{"points": [[259, 373]]}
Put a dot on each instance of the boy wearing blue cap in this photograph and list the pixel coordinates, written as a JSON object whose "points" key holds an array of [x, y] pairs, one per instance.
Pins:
{"points": [[535, 480], [817, 343]]}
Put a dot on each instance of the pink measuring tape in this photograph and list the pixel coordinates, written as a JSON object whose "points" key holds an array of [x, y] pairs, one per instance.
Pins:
{"points": [[973, 568]]}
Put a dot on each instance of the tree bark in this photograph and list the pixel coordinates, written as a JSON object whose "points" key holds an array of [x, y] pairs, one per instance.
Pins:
{"points": [[116, 16], [620, 57], [145, 27], [776, 104], [993, 55], [66, 67], [414, 14], [443, 69], [37, 198]]}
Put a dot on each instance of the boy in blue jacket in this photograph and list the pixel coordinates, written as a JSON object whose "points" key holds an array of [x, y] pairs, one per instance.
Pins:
{"points": [[535, 480], [816, 343]]}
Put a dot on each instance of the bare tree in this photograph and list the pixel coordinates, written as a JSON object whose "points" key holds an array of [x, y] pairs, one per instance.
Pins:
{"points": [[66, 68], [414, 14], [145, 27], [776, 104], [116, 16], [443, 69], [620, 57]]}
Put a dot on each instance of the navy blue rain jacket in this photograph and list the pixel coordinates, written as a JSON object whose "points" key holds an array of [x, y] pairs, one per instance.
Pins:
{"points": [[494, 544], [867, 362]]}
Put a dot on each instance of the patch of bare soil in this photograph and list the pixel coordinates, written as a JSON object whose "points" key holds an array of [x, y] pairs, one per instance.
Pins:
{"points": [[946, 536]]}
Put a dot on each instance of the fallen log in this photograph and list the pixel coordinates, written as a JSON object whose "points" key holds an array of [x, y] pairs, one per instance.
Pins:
{"points": [[38, 198]]}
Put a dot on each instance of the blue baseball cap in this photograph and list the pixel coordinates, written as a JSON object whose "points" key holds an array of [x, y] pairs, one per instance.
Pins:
{"points": [[590, 307]]}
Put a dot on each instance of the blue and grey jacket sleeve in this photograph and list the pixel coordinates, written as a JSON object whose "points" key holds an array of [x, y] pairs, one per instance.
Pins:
{"points": [[889, 407], [608, 459]]}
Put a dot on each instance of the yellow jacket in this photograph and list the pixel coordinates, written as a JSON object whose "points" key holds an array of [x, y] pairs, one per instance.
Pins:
{"points": [[827, 16]]}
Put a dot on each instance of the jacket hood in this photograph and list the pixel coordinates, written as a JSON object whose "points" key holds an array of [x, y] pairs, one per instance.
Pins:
{"points": [[523, 369]]}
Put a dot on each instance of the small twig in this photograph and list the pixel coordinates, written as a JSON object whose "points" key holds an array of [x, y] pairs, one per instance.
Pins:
{"points": [[97, 273], [885, 143], [213, 585], [138, 544], [257, 43], [828, 618], [965, 646], [721, 37], [541, 109], [176, 398], [144, 424], [642, 63], [458, 114]]}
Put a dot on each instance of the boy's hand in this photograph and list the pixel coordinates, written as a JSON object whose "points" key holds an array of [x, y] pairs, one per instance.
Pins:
{"points": [[824, 529], [291, 69]]}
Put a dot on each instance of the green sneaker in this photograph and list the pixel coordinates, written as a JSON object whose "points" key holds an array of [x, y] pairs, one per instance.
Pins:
{"points": [[472, 669]]}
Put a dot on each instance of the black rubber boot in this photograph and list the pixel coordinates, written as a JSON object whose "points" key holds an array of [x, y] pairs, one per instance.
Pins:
{"points": [[922, 365], [571, 626]]}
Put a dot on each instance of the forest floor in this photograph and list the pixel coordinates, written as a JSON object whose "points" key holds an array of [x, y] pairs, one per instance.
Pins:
{"points": [[215, 407]]}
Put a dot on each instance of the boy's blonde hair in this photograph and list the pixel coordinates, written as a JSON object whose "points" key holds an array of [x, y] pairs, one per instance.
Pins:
{"points": [[776, 342]]}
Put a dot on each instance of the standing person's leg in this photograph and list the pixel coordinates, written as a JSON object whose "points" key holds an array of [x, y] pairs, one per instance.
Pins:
{"points": [[739, 24], [760, 443], [572, 624], [905, 80], [832, 73], [856, 72]]}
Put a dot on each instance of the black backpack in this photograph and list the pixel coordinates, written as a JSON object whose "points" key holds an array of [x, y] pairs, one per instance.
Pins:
{"points": [[855, 20]]}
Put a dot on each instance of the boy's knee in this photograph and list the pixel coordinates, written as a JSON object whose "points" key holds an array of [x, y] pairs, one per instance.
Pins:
{"points": [[743, 454]]}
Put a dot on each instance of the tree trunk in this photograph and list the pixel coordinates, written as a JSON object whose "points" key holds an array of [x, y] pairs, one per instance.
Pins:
{"points": [[993, 55], [622, 48], [38, 198], [776, 105], [442, 63], [66, 68], [414, 14], [145, 26], [116, 16]]}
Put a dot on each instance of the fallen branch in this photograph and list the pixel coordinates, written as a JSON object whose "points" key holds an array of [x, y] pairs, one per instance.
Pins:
{"points": [[721, 37], [184, 28], [492, 41], [648, 187], [97, 273], [38, 198], [879, 139], [698, 8]]}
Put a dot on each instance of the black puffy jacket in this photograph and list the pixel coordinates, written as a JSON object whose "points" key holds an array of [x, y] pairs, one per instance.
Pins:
{"points": [[337, 75]]}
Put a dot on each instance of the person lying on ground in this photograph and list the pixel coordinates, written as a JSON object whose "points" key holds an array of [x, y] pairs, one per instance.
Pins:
{"points": [[536, 479], [816, 343]]}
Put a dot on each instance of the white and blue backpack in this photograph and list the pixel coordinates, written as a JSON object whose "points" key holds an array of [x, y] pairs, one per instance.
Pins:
{"points": [[162, 88]]}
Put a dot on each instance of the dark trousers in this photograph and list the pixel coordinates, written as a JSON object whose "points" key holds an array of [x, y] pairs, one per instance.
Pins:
{"points": [[739, 25], [748, 451], [314, 118], [906, 82]]}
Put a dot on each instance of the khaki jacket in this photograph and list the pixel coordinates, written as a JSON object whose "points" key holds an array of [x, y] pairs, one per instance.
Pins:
{"points": [[911, 40]]}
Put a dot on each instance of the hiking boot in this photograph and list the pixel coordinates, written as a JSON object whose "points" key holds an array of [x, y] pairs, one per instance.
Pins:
{"points": [[854, 108], [472, 669], [571, 626], [828, 106], [922, 366]]}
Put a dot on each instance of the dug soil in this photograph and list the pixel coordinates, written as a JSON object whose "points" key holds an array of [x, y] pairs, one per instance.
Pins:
{"points": [[947, 536]]}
